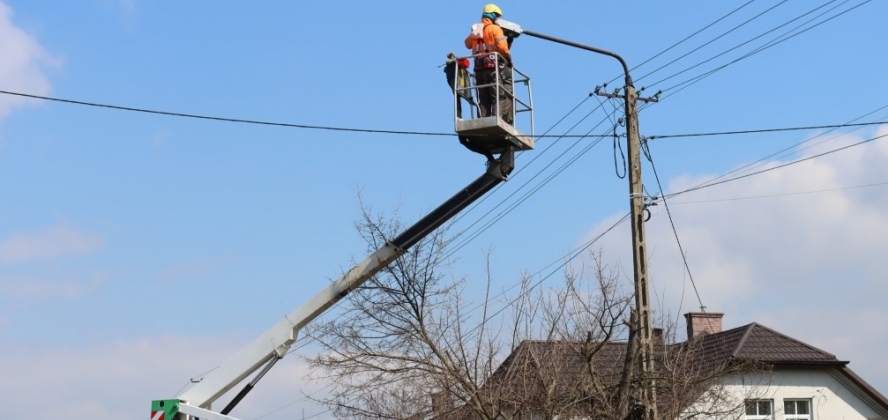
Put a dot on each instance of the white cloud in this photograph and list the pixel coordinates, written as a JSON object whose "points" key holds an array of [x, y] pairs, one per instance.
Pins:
{"points": [[23, 285], [48, 244], [119, 379], [21, 290], [23, 63], [809, 265]]}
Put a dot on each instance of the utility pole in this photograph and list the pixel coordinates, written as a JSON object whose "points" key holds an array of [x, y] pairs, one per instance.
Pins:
{"points": [[639, 255], [643, 332]]}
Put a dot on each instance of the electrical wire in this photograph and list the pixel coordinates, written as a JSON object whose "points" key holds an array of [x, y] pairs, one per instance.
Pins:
{"points": [[776, 41], [225, 119], [708, 43], [526, 195], [517, 173], [788, 194], [684, 39], [681, 250], [249, 121], [786, 36], [743, 43], [576, 252], [766, 130], [761, 161], [700, 187], [523, 185]]}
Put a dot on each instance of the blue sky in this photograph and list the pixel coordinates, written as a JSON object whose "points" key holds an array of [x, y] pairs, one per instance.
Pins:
{"points": [[138, 250]]}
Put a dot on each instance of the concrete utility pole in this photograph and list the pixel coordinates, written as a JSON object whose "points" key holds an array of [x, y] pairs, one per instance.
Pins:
{"points": [[639, 254], [643, 332]]}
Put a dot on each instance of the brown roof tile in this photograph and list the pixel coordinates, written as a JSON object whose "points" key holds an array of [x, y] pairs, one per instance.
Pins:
{"points": [[712, 352], [764, 344]]}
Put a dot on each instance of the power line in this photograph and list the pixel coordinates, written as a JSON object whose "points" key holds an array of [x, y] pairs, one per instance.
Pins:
{"points": [[742, 43], [250, 121], [647, 153], [760, 161], [523, 168], [571, 256], [421, 133], [534, 189], [765, 130], [225, 119], [707, 43], [780, 39], [788, 194], [700, 187], [685, 39]]}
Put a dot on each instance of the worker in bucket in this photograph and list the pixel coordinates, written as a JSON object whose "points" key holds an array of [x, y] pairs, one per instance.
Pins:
{"points": [[486, 41]]}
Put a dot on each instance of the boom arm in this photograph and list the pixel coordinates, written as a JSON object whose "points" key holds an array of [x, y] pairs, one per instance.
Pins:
{"points": [[274, 343]]}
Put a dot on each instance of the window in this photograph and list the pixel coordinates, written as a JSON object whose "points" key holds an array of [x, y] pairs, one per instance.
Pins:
{"points": [[797, 409], [759, 410]]}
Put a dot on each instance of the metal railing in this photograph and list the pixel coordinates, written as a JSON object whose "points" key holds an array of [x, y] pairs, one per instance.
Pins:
{"points": [[470, 92]]}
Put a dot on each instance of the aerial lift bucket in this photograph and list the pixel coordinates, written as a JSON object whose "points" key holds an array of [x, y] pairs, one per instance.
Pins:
{"points": [[492, 133]]}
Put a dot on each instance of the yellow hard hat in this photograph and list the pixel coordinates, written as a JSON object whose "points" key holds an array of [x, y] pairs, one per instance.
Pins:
{"points": [[492, 8]]}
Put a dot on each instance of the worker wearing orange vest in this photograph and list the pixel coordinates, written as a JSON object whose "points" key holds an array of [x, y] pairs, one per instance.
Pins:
{"points": [[486, 41]]}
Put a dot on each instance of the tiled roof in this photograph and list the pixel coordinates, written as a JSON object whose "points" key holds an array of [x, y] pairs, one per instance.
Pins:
{"points": [[564, 360], [764, 344], [756, 342]]}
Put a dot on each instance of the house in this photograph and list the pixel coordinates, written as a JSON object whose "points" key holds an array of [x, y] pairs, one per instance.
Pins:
{"points": [[750, 372], [801, 382]]}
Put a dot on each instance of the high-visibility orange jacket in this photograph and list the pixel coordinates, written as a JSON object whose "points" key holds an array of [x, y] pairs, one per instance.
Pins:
{"points": [[492, 40]]}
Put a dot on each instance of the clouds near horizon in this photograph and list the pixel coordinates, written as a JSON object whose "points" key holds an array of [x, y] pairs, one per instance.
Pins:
{"points": [[798, 248], [24, 63]]}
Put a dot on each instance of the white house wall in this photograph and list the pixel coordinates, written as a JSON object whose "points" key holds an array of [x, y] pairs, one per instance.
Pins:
{"points": [[832, 398]]}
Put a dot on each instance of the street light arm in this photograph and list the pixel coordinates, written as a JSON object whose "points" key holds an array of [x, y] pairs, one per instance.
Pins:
{"points": [[583, 47]]}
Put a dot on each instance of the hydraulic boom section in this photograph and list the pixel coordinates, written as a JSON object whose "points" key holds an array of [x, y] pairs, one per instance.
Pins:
{"points": [[274, 344]]}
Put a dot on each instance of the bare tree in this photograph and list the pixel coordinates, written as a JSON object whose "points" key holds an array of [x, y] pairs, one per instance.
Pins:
{"points": [[411, 345]]}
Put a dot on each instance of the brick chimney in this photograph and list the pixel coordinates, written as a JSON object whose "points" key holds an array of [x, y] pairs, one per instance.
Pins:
{"points": [[703, 323]]}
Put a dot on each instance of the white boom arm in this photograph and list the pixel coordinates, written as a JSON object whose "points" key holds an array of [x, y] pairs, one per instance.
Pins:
{"points": [[274, 343]]}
